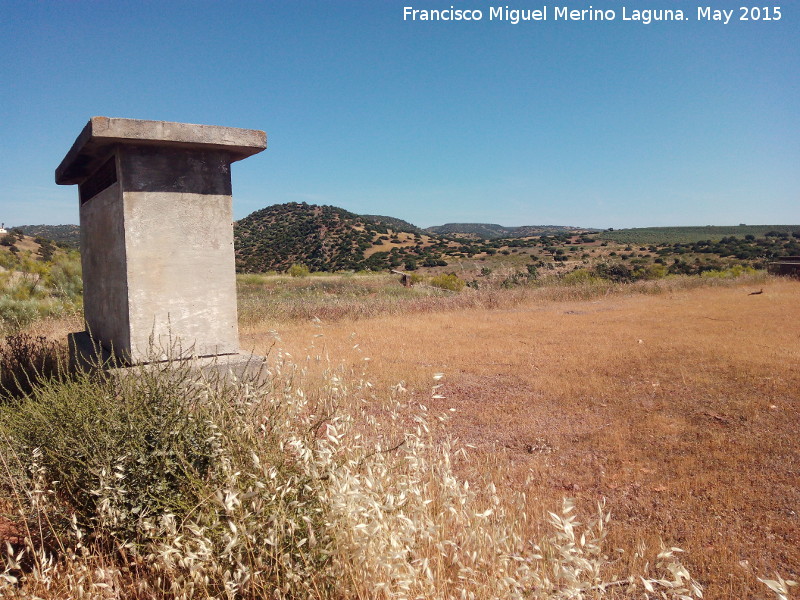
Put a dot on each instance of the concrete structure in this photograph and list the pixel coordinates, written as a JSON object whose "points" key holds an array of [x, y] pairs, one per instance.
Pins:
{"points": [[157, 235], [786, 265]]}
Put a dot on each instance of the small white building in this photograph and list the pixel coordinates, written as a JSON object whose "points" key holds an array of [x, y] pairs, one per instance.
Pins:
{"points": [[3, 228]]}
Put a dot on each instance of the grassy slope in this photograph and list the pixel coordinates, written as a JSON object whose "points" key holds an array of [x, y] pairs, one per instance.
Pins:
{"points": [[678, 408]]}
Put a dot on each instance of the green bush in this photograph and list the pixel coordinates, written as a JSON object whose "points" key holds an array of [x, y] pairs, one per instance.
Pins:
{"points": [[448, 282], [729, 273], [615, 272], [17, 314], [250, 279], [578, 277], [656, 271], [120, 447], [64, 279], [298, 271]]}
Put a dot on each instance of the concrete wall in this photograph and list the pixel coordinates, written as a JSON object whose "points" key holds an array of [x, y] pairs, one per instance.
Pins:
{"points": [[179, 246], [181, 273], [103, 259]]}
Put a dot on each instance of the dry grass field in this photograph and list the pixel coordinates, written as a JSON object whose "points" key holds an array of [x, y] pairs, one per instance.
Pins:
{"points": [[681, 408], [674, 401]]}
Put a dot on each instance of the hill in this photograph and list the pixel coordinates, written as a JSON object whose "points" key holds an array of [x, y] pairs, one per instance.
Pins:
{"points": [[690, 235], [327, 238], [324, 238], [15, 243], [63, 235], [492, 231], [398, 225]]}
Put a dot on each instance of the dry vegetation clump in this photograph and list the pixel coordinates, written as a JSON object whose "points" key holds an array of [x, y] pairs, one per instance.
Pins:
{"points": [[276, 299], [168, 485], [273, 299], [27, 360], [667, 399]]}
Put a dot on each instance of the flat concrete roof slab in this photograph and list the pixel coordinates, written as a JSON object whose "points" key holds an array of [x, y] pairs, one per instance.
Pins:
{"points": [[92, 145]]}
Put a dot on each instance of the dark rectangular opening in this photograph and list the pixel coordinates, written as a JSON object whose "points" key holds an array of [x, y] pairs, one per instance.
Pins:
{"points": [[104, 177]]}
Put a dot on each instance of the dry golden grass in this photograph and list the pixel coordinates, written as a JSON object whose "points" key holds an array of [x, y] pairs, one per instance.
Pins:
{"points": [[681, 408]]}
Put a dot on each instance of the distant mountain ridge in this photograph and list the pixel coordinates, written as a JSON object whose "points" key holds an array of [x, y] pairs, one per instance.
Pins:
{"points": [[67, 235], [328, 238], [491, 231]]}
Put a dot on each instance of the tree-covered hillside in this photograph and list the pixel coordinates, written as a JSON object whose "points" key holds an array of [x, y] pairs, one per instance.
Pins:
{"points": [[324, 238], [492, 231], [397, 225], [68, 236]]}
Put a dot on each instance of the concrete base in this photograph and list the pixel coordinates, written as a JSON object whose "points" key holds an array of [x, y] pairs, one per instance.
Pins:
{"points": [[86, 354], [240, 366]]}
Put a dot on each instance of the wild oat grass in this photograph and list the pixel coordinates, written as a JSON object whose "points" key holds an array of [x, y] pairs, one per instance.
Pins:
{"points": [[168, 485]]}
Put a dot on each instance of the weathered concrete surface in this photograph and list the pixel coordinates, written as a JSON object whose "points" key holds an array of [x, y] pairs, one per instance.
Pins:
{"points": [[181, 273], [104, 265], [86, 354], [157, 235], [100, 133]]}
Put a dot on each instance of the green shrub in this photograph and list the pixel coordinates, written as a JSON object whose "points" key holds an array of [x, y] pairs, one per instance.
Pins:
{"points": [[298, 271], [656, 271], [16, 314], [578, 277], [120, 447], [249, 279], [729, 273], [448, 282], [36, 289], [615, 272], [64, 278]]}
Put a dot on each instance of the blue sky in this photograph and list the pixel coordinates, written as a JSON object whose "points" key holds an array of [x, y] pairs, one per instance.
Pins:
{"points": [[589, 123]]}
